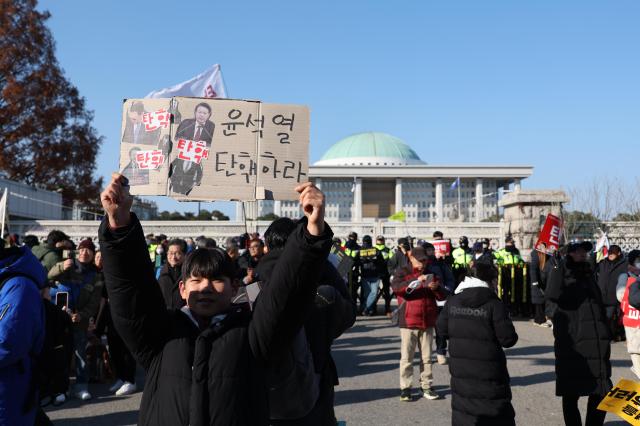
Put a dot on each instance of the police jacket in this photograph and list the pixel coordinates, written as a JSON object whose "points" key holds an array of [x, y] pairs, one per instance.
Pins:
{"points": [[214, 376], [478, 326]]}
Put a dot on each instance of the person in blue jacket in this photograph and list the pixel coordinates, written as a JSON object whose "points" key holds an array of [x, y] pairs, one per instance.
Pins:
{"points": [[22, 331]]}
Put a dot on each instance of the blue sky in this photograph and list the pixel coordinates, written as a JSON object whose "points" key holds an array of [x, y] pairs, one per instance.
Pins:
{"points": [[544, 83]]}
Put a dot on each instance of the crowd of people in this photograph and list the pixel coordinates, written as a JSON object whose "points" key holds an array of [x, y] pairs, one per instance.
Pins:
{"points": [[257, 316]]}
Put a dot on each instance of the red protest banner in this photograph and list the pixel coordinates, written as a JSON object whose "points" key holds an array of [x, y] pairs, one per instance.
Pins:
{"points": [[549, 237], [442, 248]]}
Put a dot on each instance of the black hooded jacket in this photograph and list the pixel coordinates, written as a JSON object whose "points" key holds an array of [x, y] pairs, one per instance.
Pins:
{"points": [[478, 326], [608, 273], [214, 376], [168, 281], [582, 338], [331, 315]]}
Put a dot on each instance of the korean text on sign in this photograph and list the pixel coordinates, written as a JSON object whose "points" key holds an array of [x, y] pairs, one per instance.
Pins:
{"points": [[155, 120], [624, 401], [195, 151], [257, 122], [149, 160]]}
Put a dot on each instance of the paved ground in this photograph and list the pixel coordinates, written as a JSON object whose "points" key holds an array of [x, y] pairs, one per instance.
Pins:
{"points": [[367, 358]]}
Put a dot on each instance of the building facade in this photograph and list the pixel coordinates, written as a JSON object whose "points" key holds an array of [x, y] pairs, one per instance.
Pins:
{"points": [[371, 176]]}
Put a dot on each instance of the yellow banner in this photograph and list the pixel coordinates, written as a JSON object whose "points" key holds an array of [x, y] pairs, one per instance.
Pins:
{"points": [[624, 401], [400, 216]]}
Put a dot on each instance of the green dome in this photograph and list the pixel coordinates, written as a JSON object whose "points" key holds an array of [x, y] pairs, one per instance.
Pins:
{"points": [[370, 149]]}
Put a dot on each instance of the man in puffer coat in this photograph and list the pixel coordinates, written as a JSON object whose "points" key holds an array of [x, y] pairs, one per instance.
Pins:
{"points": [[206, 363], [582, 339], [301, 382], [478, 326]]}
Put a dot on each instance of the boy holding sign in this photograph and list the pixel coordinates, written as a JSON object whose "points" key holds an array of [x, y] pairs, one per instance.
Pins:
{"points": [[206, 363]]}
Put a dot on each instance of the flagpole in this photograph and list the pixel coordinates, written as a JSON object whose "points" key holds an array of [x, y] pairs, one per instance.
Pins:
{"points": [[459, 208]]}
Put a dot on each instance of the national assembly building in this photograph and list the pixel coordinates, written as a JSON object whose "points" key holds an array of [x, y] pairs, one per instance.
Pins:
{"points": [[372, 176]]}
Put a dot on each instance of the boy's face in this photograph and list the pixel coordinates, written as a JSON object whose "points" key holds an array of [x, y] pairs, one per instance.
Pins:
{"points": [[206, 297]]}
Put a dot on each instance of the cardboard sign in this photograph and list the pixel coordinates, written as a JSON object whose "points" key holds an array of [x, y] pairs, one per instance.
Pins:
{"points": [[624, 401], [442, 248], [201, 149], [549, 238]]}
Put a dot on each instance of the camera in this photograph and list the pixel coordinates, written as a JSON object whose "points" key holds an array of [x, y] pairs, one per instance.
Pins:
{"points": [[68, 254]]}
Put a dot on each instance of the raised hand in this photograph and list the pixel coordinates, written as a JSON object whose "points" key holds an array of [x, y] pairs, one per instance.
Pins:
{"points": [[312, 201], [117, 201]]}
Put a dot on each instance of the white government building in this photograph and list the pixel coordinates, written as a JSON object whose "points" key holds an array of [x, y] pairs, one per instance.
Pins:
{"points": [[370, 176]]}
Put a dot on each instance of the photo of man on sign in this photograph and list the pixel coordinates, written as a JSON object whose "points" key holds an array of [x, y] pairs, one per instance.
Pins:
{"points": [[198, 128]]}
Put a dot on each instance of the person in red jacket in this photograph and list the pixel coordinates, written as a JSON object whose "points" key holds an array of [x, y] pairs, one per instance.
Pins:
{"points": [[417, 313]]}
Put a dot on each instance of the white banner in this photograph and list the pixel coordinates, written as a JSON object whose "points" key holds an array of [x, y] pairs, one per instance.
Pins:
{"points": [[209, 84], [4, 214]]}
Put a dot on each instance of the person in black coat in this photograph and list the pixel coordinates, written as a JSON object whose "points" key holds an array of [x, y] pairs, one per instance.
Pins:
{"points": [[582, 339], [171, 272], [206, 363], [307, 397], [539, 267], [478, 326], [609, 269]]}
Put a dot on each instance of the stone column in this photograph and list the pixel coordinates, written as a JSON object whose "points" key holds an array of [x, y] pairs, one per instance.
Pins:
{"points": [[479, 200], [516, 185], [319, 183], [357, 201], [277, 208], [398, 195], [439, 206], [239, 214]]}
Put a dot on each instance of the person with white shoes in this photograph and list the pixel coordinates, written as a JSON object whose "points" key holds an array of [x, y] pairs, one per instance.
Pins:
{"points": [[127, 388]]}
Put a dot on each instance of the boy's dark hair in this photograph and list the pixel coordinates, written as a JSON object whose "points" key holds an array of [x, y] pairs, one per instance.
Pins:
{"points": [[55, 237], [277, 233], [438, 234], [180, 243], [208, 263], [484, 272], [615, 249]]}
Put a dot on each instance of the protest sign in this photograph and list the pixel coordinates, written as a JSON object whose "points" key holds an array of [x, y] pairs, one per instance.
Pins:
{"points": [[197, 149], [549, 237], [442, 248], [624, 401]]}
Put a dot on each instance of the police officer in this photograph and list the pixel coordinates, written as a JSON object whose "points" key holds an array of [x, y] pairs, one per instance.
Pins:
{"points": [[383, 272], [462, 258], [352, 249], [512, 274]]}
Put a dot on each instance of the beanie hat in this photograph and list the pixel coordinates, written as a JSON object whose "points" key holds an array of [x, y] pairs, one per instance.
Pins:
{"points": [[88, 244]]}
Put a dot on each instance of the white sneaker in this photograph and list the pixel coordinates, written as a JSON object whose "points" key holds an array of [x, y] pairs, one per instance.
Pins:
{"points": [[59, 399], [83, 395], [126, 389], [117, 385], [442, 359]]}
